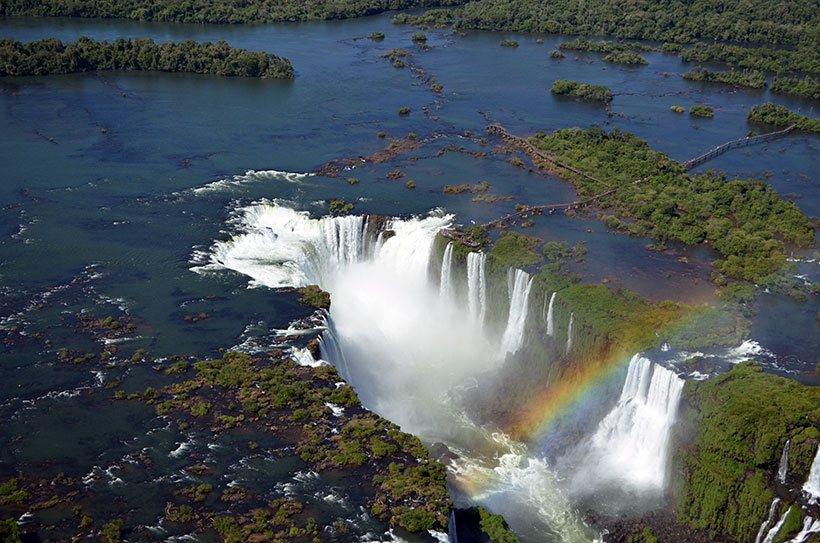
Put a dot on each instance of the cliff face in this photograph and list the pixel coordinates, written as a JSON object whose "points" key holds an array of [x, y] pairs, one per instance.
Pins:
{"points": [[729, 452]]}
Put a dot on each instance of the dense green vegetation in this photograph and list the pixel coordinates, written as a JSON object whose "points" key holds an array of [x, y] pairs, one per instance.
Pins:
{"points": [[602, 46], [745, 221], [212, 11], [699, 110], [806, 59], [314, 296], [617, 53], [408, 487], [9, 531], [754, 21], [584, 91], [432, 18], [730, 438], [625, 57], [747, 78], [495, 527], [781, 116], [806, 86], [51, 56]]}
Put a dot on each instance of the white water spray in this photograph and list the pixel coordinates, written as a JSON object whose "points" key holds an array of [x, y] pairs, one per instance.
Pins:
{"points": [[516, 321], [446, 279], [404, 347], [570, 331], [476, 287], [812, 485], [629, 449], [550, 316], [810, 526]]}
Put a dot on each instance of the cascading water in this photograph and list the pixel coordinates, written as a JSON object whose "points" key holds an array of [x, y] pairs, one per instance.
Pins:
{"points": [[783, 468], [550, 316], [513, 336], [281, 247], [476, 286], [629, 450], [770, 535], [810, 526], [406, 349], [446, 280], [812, 485], [570, 331], [762, 530]]}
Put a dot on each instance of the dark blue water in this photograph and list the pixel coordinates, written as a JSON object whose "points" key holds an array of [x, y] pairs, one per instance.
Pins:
{"points": [[98, 209]]}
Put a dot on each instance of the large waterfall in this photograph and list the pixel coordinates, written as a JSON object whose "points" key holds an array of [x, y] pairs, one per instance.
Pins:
{"points": [[446, 280], [476, 286], [513, 336], [812, 485], [629, 450], [402, 341]]}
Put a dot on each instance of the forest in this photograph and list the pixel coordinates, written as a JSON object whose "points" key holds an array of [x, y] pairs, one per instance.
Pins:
{"points": [[790, 22], [745, 221], [51, 56], [782, 116], [746, 78], [212, 11], [806, 87]]}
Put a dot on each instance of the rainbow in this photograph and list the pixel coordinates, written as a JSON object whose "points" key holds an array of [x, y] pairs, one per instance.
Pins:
{"points": [[580, 387]]}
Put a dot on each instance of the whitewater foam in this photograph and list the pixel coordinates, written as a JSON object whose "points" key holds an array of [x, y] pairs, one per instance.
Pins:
{"points": [[250, 176], [629, 449]]}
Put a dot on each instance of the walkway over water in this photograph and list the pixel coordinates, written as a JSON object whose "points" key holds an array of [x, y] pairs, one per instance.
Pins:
{"points": [[735, 144]]}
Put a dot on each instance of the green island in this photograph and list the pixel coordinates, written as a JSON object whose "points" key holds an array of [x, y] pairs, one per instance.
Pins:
{"points": [[653, 196], [616, 53], [781, 116], [806, 87], [583, 91], [212, 11], [48, 57], [699, 110], [747, 78]]}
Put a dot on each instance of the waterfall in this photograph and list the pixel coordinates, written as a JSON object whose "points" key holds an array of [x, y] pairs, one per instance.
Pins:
{"points": [[783, 468], [772, 509], [446, 280], [331, 350], [776, 528], [550, 315], [476, 286], [810, 526], [569, 331], [281, 247], [514, 332], [510, 282], [629, 449], [812, 484]]}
